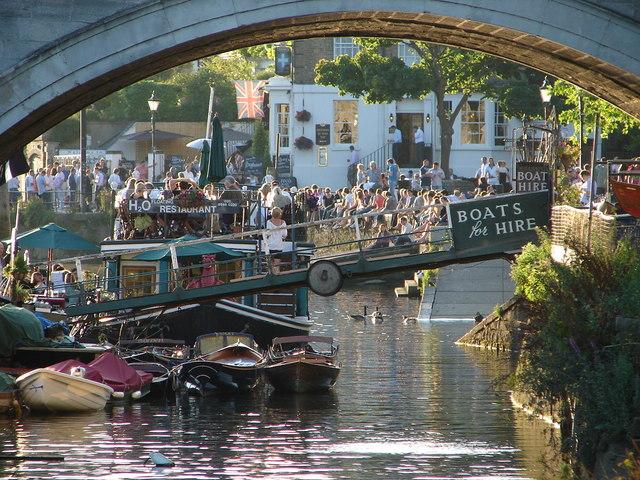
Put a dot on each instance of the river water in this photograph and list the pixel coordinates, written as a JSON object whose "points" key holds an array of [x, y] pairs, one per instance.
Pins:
{"points": [[409, 404]]}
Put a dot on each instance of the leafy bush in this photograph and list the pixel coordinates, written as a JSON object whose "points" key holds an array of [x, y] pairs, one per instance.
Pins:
{"points": [[574, 357], [34, 214]]}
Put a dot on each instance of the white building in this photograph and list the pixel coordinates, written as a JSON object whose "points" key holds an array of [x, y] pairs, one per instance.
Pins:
{"points": [[480, 128]]}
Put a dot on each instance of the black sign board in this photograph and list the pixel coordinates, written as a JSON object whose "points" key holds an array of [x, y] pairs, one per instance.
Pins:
{"points": [[323, 134], [168, 207], [255, 166], [176, 161], [532, 176], [284, 166], [288, 182], [498, 221]]}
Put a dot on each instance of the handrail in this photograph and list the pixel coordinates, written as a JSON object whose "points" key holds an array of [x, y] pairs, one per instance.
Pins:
{"points": [[184, 278], [378, 156]]}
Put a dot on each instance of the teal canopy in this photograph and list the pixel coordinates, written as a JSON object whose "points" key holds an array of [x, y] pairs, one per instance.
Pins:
{"points": [[18, 325], [193, 250], [53, 237]]}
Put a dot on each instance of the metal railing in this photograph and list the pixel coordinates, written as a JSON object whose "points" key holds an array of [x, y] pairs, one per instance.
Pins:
{"points": [[344, 244]]}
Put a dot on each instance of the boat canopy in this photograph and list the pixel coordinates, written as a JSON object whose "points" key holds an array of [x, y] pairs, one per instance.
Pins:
{"points": [[118, 374], [18, 326]]}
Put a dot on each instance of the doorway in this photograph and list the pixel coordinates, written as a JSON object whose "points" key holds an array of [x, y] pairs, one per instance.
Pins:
{"points": [[406, 122]]}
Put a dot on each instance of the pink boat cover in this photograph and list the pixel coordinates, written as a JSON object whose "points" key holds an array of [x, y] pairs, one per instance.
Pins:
{"points": [[68, 365], [118, 374]]}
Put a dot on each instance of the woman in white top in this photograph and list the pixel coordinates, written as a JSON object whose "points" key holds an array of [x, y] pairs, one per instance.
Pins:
{"points": [[275, 240], [492, 173]]}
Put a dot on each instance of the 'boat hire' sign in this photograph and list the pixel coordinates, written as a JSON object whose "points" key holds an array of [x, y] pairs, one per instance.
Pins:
{"points": [[498, 222], [168, 207]]}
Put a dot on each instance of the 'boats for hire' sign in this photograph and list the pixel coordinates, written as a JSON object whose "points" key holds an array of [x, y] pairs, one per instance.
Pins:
{"points": [[498, 222]]}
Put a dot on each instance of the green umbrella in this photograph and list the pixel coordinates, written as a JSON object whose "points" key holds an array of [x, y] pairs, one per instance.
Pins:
{"points": [[193, 250], [212, 162], [53, 237]]}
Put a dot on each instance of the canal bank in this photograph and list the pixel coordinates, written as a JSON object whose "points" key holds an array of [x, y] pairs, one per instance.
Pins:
{"points": [[462, 291]]}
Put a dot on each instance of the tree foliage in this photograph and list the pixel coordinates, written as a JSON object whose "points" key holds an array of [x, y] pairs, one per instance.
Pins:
{"points": [[183, 92], [575, 356], [611, 118], [379, 78]]}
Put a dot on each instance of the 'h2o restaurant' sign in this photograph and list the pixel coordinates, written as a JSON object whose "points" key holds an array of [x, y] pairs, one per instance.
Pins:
{"points": [[170, 208], [499, 222]]}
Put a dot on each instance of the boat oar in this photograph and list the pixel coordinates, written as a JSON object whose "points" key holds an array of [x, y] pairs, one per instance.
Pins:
{"points": [[32, 458]]}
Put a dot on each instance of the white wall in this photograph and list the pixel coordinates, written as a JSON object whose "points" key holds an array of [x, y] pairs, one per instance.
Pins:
{"points": [[373, 124]]}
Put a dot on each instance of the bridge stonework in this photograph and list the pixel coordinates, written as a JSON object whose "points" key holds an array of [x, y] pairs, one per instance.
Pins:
{"points": [[57, 57]]}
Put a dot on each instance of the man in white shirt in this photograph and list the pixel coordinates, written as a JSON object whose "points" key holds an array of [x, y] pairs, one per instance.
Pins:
{"points": [[188, 172], [59, 182], [588, 185], [482, 171], [352, 162], [30, 185], [396, 140], [418, 139], [437, 176]]}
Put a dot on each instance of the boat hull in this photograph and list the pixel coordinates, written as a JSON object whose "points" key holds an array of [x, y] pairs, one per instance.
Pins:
{"points": [[302, 375], [48, 390], [205, 377], [628, 196]]}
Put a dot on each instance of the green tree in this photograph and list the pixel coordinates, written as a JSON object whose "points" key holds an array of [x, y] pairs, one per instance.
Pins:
{"points": [[611, 118], [442, 70], [183, 92]]}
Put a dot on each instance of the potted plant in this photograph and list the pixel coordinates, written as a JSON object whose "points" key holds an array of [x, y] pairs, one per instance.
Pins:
{"points": [[303, 115], [303, 143], [19, 270], [191, 198]]}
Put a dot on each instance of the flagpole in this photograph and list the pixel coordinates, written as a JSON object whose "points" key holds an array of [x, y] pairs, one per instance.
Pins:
{"points": [[210, 115]]}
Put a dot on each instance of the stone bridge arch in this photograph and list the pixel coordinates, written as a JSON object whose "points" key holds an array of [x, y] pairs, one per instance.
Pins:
{"points": [[58, 59]]}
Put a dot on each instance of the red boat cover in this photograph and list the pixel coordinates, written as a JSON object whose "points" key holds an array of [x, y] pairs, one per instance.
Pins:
{"points": [[118, 374], [68, 365]]}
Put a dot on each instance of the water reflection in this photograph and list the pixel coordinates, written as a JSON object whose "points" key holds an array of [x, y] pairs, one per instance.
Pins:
{"points": [[409, 403]]}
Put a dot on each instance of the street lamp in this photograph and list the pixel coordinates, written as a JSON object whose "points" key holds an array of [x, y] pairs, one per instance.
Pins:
{"points": [[154, 103], [545, 95]]}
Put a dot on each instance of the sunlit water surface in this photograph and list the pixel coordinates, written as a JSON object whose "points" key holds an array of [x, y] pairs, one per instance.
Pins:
{"points": [[409, 404]]}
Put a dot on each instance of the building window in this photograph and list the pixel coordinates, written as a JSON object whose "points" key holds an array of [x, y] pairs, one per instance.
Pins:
{"points": [[345, 121], [344, 46], [282, 123], [472, 123], [500, 133], [138, 280], [407, 54]]}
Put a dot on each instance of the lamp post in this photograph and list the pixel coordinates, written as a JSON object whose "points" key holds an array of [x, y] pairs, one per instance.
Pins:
{"points": [[154, 103], [552, 134], [545, 96]]}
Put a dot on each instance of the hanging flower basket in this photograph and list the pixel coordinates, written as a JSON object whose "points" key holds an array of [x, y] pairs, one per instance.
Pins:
{"points": [[303, 116], [189, 199], [303, 143]]}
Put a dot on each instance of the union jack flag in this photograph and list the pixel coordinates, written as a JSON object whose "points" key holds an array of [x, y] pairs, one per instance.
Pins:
{"points": [[249, 97]]}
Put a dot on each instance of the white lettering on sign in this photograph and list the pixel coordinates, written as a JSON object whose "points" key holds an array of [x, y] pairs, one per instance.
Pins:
{"points": [[495, 213], [532, 176]]}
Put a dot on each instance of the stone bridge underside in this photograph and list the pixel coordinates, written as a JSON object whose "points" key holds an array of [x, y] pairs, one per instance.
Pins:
{"points": [[57, 57]]}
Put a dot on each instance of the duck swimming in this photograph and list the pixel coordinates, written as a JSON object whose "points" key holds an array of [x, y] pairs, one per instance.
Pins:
{"points": [[360, 318], [376, 317]]}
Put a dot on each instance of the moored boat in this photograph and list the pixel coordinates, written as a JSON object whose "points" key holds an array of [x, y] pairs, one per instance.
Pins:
{"points": [[302, 363], [10, 396], [126, 381], [68, 386], [225, 362], [628, 196]]}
